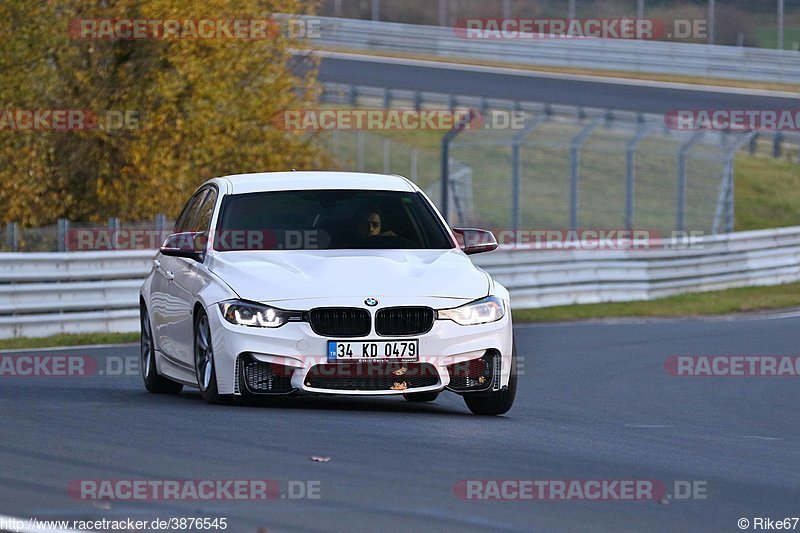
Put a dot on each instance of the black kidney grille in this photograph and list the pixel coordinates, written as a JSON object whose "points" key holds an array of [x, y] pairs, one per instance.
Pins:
{"points": [[404, 321], [340, 321]]}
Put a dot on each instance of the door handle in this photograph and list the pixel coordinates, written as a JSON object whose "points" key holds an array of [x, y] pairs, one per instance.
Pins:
{"points": [[169, 275], [156, 263]]}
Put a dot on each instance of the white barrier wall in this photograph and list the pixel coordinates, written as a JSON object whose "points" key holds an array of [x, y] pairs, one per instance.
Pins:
{"points": [[74, 292], [687, 59]]}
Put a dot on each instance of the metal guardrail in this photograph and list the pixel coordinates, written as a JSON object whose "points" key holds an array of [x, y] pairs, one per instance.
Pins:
{"points": [[684, 59], [45, 294]]}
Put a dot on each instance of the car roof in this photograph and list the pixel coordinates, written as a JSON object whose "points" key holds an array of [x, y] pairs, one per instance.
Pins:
{"points": [[288, 181]]}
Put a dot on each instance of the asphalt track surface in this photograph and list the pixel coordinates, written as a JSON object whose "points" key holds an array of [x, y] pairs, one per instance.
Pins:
{"points": [[594, 402], [629, 95]]}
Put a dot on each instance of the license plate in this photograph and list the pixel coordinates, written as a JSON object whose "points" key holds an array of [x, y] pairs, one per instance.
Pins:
{"points": [[405, 350]]}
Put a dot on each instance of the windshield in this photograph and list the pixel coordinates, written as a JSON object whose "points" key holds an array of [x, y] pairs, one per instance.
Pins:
{"points": [[329, 220]]}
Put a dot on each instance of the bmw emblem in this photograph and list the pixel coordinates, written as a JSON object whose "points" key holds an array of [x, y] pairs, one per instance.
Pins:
{"points": [[372, 302]]}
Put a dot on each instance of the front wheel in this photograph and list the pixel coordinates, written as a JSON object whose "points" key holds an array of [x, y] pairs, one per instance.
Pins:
{"points": [[496, 402], [204, 360], [152, 381]]}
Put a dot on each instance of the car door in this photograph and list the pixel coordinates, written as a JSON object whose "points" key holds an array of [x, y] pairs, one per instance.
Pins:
{"points": [[172, 296]]}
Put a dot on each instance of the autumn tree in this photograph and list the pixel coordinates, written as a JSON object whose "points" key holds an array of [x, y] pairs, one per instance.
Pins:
{"points": [[194, 107]]}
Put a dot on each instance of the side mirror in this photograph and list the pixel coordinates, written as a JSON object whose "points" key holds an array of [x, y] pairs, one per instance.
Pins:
{"points": [[190, 244], [476, 240]]}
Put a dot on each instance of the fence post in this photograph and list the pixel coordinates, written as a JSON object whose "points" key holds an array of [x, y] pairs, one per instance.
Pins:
{"points": [[376, 9], [630, 172], [113, 228], [161, 228], [387, 154], [725, 203], [683, 155], [63, 235], [447, 138], [574, 184], [361, 141], [12, 236], [516, 171]]}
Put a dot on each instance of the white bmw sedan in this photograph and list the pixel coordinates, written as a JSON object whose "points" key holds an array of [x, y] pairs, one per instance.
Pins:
{"points": [[324, 283]]}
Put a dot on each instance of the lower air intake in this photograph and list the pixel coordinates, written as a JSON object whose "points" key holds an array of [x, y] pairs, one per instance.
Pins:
{"points": [[265, 378], [367, 376]]}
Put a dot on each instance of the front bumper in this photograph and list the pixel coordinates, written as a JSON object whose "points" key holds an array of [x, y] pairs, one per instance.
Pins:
{"points": [[298, 351]]}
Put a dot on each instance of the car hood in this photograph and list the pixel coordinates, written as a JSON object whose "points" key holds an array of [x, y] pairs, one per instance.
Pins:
{"points": [[270, 276]]}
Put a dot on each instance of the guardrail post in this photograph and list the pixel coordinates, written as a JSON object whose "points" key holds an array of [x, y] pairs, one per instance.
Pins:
{"points": [[683, 155], [353, 96], [447, 138], [574, 183], [630, 171], [387, 98], [63, 235], [113, 229], [418, 101], [452, 102], [777, 142], [12, 236], [754, 144]]}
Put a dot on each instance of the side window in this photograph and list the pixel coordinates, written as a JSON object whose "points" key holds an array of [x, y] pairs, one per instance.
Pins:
{"points": [[189, 213], [205, 212]]}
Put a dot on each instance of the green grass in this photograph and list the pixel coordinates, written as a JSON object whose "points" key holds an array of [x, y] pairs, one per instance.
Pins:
{"points": [[81, 339], [767, 189], [745, 299]]}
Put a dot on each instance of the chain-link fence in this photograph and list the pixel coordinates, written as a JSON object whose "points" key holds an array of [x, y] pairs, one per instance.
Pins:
{"points": [[67, 235], [563, 167]]}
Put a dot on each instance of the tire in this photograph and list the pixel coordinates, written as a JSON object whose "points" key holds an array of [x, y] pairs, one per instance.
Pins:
{"points": [[147, 360], [420, 397], [204, 368], [496, 402]]}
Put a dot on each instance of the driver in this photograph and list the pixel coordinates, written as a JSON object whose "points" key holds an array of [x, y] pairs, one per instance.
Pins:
{"points": [[370, 224]]}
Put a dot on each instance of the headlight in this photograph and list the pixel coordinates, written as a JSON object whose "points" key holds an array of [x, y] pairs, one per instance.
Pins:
{"points": [[483, 311], [257, 316]]}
